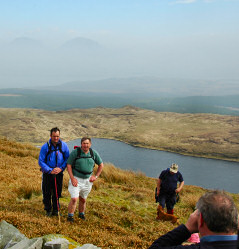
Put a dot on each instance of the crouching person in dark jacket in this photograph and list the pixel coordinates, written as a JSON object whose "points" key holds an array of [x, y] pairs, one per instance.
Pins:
{"points": [[52, 160], [216, 219]]}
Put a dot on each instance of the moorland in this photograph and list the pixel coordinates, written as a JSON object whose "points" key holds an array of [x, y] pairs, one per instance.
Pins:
{"points": [[203, 135], [121, 209]]}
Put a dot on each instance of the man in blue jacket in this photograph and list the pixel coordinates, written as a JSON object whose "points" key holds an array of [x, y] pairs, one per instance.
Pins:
{"points": [[52, 160], [216, 219]]}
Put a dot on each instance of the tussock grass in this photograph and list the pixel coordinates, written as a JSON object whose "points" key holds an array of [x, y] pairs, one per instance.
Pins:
{"points": [[16, 149], [121, 209], [114, 175]]}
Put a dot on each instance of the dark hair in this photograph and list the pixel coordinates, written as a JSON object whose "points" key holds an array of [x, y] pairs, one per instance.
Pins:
{"points": [[55, 129], [218, 211], [85, 138]]}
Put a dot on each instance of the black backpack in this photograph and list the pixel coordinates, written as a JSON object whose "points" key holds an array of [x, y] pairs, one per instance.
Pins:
{"points": [[79, 157], [55, 149]]}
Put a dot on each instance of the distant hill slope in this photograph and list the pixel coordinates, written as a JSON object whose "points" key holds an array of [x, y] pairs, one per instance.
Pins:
{"points": [[59, 100], [204, 135], [153, 86]]}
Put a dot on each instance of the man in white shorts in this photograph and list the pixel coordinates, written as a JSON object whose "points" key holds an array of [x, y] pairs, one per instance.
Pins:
{"points": [[80, 165]]}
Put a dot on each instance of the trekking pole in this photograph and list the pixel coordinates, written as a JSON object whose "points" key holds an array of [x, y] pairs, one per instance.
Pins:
{"points": [[57, 201]]}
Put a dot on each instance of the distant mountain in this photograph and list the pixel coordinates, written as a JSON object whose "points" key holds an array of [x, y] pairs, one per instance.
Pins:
{"points": [[134, 85], [153, 87], [26, 43], [81, 43], [81, 52]]}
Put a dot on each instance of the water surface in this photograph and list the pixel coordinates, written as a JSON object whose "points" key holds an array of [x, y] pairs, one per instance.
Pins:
{"points": [[207, 173]]}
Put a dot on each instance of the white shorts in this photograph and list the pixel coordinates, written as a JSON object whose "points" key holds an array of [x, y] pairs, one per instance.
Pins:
{"points": [[82, 189]]}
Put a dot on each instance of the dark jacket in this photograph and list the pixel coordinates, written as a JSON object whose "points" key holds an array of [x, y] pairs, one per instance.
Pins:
{"points": [[174, 239], [169, 181]]}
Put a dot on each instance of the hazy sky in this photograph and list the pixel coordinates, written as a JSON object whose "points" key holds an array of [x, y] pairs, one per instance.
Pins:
{"points": [[164, 38]]}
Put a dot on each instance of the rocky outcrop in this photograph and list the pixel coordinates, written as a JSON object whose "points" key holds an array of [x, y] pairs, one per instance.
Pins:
{"points": [[11, 238]]}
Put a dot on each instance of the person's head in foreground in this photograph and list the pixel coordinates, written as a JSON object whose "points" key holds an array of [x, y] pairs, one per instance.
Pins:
{"points": [[215, 218], [217, 213]]}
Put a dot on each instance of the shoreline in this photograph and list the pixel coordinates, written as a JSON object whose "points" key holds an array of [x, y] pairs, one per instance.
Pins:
{"points": [[161, 149], [202, 136]]}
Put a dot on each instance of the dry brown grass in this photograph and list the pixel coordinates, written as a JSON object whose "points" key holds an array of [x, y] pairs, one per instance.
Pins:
{"points": [[121, 209], [205, 135], [22, 150]]}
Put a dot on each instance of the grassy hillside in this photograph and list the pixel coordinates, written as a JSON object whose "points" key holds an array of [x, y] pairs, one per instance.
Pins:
{"points": [[120, 210], [204, 135]]}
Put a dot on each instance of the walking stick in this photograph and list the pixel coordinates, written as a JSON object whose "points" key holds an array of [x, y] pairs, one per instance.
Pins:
{"points": [[57, 200]]}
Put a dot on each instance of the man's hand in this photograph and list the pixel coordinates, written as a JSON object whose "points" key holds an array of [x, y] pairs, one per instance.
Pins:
{"points": [[74, 182], [177, 190], [56, 171], [179, 187], [158, 191], [192, 223], [238, 223], [93, 178]]}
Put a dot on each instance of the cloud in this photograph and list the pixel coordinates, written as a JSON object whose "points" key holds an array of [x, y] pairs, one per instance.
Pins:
{"points": [[184, 2], [194, 1], [73, 32]]}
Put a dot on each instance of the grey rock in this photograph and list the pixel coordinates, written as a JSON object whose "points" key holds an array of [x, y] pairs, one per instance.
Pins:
{"points": [[35, 243], [59, 243], [10, 244], [9, 235], [11, 238], [88, 246]]}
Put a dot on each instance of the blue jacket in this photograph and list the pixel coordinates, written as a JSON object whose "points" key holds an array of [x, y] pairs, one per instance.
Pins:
{"points": [[55, 158]]}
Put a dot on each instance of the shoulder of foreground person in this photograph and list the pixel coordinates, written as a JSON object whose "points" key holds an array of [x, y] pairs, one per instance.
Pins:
{"points": [[173, 238]]}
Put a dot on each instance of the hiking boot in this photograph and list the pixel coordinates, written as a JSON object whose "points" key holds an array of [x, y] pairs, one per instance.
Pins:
{"points": [[157, 218], [48, 213], [70, 219], [54, 213], [82, 216]]}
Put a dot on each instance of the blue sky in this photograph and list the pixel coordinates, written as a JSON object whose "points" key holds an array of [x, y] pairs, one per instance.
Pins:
{"points": [[102, 18], [156, 31]]}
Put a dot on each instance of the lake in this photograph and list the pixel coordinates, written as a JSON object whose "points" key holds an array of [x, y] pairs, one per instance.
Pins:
{"points": [[203, 172]]}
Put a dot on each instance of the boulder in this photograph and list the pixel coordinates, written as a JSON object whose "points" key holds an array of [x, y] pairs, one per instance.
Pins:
{"points": [[35, 243], [59, 243], [9, 235], [11, 238], [88, 246]]}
